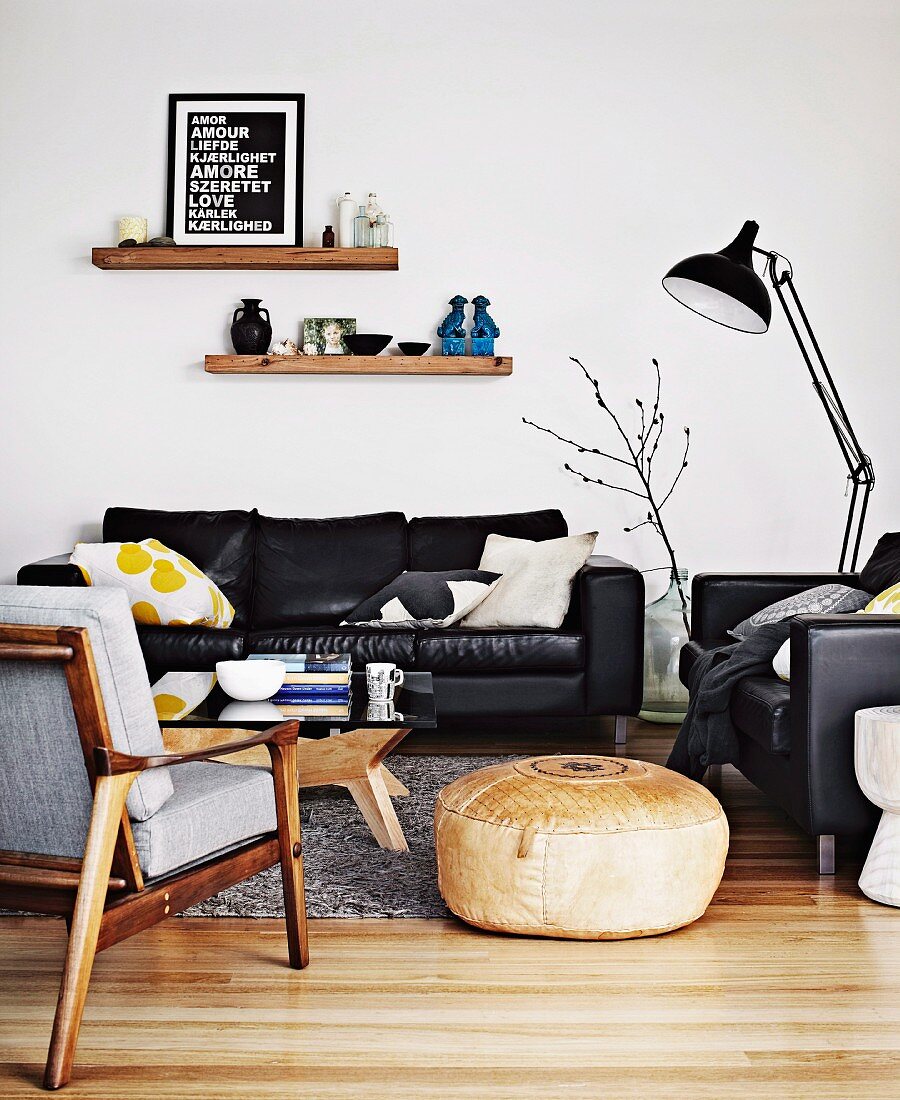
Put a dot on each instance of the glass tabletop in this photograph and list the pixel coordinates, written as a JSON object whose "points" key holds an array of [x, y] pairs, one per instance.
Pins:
{"points": [[195, 699]]}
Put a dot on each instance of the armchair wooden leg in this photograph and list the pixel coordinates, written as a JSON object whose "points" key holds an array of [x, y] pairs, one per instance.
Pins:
{"points": [[621, 729], [109, 801], [287, 807]]}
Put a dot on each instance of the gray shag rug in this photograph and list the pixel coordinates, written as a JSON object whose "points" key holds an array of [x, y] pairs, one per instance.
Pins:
{"points": [[346, 873]]}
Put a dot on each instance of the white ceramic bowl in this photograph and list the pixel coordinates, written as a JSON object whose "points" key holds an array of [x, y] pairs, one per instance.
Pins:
{"points": [[250, 681]]}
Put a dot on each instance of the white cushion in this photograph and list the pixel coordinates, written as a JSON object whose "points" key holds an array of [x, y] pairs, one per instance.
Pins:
{"points": [[536, 585]]}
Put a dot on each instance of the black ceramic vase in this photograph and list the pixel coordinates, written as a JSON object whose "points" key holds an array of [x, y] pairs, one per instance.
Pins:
{"points": [[251, 334]]}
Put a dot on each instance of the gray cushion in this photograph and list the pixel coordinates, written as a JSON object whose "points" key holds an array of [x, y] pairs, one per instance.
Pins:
{"points": [[33, 720], [827, 599], [214, 807]]}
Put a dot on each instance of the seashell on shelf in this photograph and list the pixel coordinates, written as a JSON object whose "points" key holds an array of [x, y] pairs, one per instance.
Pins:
{"points": [[286, 347]]}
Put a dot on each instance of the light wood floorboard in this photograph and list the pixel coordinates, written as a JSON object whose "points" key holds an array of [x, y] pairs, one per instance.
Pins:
{"points": [[788, 987]]}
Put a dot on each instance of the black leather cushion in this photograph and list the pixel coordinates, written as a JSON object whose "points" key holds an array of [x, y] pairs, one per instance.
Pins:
{"points": [[883, 568], [362, 644], [456, 542], [760, 705], [188, 648], [761, 708], [219, 543], [317, 570], [453, 650]]}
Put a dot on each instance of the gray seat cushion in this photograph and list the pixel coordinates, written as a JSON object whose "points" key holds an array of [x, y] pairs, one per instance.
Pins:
{"points": [[123, 683], [214, 807]]}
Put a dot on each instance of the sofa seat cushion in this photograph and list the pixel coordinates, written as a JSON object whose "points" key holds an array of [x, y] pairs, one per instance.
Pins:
{"points": [[362, 643], [221, 544], [214, 808], [760, 705], [315, 571], [188, 648], [457, 542], [495, 650]]}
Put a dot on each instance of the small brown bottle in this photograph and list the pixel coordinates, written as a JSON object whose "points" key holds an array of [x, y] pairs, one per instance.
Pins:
{"points": [[328, 237]]}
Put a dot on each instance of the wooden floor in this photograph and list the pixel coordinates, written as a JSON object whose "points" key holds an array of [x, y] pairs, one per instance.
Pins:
{"points": [[788, 987]]}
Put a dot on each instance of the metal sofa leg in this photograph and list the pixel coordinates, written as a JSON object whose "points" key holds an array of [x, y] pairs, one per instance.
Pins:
{"points": [[621, 729], [826, 854]]}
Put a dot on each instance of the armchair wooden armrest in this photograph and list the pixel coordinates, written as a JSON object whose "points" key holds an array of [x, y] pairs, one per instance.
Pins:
{"points": [[111, 762]]}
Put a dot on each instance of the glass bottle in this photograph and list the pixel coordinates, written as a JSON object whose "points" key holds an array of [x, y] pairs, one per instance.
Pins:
{"points": [[388, 232], [362, 231], [665, 697], [328, 237], [379, 233]]}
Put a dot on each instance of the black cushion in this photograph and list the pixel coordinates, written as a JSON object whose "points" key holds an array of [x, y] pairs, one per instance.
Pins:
{"points": [[760, 705], [457, 542], [452, 650], [363, 644], [883, 568], [424, 599], [188, 648], [315, 571], [761, 708], [219, 543]]}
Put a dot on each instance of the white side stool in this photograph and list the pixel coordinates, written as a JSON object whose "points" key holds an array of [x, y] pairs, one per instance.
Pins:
{"points": [[877, 760]]}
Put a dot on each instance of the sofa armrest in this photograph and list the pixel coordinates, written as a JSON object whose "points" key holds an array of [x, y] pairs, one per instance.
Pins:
{"points": [[610, 595], [719, 601], [839, 664], [56, 572]]}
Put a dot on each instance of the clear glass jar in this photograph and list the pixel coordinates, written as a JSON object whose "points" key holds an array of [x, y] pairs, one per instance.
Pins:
{"points": [[380, 232], [665, 697], [362, 230]]}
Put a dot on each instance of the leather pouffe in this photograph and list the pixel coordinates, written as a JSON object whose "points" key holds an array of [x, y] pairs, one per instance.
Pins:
{"points": [[579, 847]]}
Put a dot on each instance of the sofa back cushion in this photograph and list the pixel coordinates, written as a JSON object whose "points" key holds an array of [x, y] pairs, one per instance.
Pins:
{"points": [[457, 542], [315, 571], [219, 543]]}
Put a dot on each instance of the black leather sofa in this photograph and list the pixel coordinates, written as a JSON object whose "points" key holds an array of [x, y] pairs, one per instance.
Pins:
{"points": [[292, 581], [796, 739]]}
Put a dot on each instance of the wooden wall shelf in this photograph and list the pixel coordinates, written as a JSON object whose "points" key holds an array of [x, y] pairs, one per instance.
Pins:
{"points": [[359, 364], [237, 258]]}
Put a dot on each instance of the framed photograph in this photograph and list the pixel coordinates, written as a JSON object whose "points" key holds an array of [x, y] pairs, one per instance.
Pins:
{"points": [[325, 335], [235, 170]]}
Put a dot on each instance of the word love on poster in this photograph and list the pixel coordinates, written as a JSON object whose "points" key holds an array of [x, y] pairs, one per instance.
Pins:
{"points": [[235, 173]]}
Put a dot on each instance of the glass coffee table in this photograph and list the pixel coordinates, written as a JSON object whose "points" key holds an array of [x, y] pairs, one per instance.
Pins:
{"points": [[346, 750]]}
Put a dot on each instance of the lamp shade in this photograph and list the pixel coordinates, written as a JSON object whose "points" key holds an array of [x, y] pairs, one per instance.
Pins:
{"points": [[723, 285]]}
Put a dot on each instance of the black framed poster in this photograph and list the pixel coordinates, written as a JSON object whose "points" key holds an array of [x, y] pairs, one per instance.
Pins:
{"points": [[235, 172]]}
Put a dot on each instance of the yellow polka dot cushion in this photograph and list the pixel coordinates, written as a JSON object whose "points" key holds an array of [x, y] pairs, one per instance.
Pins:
{"points": [[164, 588]]}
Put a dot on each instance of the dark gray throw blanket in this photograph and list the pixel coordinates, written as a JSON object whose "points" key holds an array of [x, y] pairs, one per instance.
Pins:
{"points": [[707, 735]]}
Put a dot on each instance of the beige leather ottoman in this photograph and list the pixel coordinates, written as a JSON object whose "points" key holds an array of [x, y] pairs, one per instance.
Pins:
{"points": [[580, 847]]}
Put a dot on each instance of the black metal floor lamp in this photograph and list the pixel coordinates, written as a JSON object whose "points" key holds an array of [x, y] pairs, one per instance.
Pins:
{"points": [[724, 287]]}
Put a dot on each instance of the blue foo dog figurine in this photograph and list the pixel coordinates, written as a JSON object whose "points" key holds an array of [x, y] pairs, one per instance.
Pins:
{"points": [[452, 329], [484, 330]]}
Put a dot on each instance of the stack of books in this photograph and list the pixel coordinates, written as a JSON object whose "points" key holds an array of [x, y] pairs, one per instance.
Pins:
{"points": [[314, 686]]}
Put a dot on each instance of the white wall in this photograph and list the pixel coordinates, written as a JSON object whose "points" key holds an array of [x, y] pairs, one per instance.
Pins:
{"points": [[558, 158]]}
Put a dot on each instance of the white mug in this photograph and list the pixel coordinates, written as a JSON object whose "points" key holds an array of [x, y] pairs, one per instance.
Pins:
{"points": [[381, 680]]}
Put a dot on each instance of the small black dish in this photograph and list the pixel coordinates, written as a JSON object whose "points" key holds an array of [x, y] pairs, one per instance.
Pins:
{"points": [[412, 348], [367, 343]]}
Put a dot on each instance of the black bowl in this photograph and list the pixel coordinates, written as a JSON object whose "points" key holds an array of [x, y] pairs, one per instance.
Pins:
{"points": [[412, 348], [367, 343]]}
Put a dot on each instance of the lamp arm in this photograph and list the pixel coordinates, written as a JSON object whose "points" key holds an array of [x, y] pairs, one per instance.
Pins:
{"points": [[860, 471]]}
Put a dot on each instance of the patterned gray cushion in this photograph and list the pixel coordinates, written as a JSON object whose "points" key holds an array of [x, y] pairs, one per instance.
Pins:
{"points": [[827, 599]]}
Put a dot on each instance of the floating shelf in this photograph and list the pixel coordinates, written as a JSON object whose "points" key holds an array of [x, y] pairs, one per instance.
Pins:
{"points": [[238, 258], [358, 364]]}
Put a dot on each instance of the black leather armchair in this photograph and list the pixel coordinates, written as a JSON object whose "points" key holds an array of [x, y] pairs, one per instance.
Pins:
{"points": [[796, 739]]}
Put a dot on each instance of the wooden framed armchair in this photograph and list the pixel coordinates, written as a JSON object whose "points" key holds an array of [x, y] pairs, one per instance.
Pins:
{"points": [[97, 824]]}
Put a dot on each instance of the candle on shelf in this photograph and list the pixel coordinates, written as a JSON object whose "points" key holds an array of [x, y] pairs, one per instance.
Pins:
{"points": [[133, 228]]}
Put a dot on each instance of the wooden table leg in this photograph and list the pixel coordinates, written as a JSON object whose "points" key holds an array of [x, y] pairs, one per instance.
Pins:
{"points": [[352, 758]]}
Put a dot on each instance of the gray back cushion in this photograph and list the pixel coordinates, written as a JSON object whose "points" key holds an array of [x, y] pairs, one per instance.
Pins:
{"points": [[44, 794]]}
